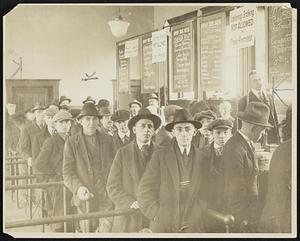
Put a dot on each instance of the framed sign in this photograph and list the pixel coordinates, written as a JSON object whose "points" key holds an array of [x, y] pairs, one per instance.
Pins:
{"points": [[212, 39], [280, 45], [123, 70], [149, 79], [182, 41]]}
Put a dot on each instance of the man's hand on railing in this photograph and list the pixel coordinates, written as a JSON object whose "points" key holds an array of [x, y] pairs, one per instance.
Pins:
{"points": [[135, 205], [84, 194]]}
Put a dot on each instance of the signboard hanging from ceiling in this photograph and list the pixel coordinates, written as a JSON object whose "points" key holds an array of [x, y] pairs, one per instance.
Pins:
{"points": [[212, 42], [280, 45], [182, 57], [123, 70], [242, 26], [149, 74]]}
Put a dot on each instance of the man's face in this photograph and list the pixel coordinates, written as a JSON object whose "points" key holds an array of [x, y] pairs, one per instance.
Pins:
{"points": [[153, 102], [62, 127], [134, 109], [144, 130], [257, 132], [221, 135], [255, 82], [205, 122], [89, 124], [106, 122], [122, 126], [39, 116], [65, 102], [184, 132], [11, 108], [224, 110]]}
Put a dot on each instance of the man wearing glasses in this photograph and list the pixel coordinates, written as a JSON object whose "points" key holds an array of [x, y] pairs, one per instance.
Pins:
{"points": [[128, 168], [170, 191]]}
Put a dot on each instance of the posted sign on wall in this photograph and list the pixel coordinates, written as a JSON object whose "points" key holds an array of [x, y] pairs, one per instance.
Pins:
{"points": [[242, 26], [123, 70]]}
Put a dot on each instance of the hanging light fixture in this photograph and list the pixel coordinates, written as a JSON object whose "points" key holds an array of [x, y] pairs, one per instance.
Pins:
{"points": [[118, 26]]}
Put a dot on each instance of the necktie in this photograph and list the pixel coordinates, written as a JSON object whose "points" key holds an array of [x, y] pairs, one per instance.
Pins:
{"points": [[261, 97], [185, 157], [145, 151], [125, 139], [219, 151]]}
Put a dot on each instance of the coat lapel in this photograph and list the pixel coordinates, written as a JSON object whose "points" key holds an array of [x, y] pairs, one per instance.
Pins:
{"points": [[82, 149], [130, 163]]}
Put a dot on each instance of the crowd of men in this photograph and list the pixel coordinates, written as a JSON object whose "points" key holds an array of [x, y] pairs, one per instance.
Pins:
{"points": [[170, 170]]}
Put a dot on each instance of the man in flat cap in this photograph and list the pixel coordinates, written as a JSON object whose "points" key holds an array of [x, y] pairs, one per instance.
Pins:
{"points": [[240, 168], [122, 136], [164, 137], [87, 160], [106, 123], [211, 155], [49, 165], [258, 94], [170, 191], [128, 168], [89, 100], [134, 107], [203, 136]]}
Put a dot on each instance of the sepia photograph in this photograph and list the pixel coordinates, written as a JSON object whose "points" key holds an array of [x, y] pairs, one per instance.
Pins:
{"points": [[150, 120]]}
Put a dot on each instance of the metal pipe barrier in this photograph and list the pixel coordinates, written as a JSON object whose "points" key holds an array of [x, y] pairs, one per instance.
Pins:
{"points": [[66, 218], [226, 219], [13, 157], [9, 178], [34, 185], [16, 162]]}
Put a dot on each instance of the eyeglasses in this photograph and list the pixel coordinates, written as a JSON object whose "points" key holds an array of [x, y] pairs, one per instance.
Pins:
{"points": [[187, 129], [143, 126]]}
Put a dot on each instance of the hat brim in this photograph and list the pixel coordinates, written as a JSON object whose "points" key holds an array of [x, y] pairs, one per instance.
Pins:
{"points": [[82, 115], [63, 119], [139, 104], [38, 108], [154, 98], [64, 100], [206, 116], [243, 117], [220, 127], [154, 118], [196, 124]]}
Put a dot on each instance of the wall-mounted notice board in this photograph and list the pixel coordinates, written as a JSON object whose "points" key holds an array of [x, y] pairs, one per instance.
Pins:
{"points": [[123, 70], [182, 38], [280, 45], [212, 39], [149, 79]]}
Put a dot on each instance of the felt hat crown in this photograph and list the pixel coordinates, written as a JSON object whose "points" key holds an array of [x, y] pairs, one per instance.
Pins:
{"points": [[220, 123], [88, 109], [103, 103], [121, 115], [62, 98], [144, 113], [205, 114], [135, 102], [256, 113], [153, 96], [89, 99], [62, 115], [183, 116]]}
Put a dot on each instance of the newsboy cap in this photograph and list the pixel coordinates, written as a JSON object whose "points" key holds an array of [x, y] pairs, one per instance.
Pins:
{"points": [[121, 115], [135, 102], [220, 123], [205, 114], [62, 115], [153, 96]]}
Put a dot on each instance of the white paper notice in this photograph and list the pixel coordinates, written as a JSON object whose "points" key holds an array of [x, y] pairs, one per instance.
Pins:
{"points": [[242, 26], [131, 48], [159, 46]]}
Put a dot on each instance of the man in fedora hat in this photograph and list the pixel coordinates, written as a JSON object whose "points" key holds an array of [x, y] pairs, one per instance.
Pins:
{"points": [[258, 94], [170, 191], [211, 155], [122, 136], [154, 104], [106, 123], [134, 107], [64, 101], [203, 136], [103, 103], [49, 166], [128, 168], [240, 167], [87, 159], [164, 137], [89, 100]]}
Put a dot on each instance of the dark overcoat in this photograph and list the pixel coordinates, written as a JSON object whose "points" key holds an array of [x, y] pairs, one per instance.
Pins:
{"points": [[276, 215], [240, 170], [38, 142], [159, 194], [273, 134], [122, 186], [163, 137], [118, 142], [78, 171], [27, 136], [49, 163], [199, 140]]}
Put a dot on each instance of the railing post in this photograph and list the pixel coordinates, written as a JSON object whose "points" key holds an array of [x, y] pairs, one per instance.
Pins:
{"points": [[65, 206], [30, 193], [17, 183], [42, 207], [89, 220]]}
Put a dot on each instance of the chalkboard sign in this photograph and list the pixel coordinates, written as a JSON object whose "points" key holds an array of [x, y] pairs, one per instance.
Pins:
{"points": [[280, 44], [149, 80], [182, 57], [123, 70], [211, 51]]}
